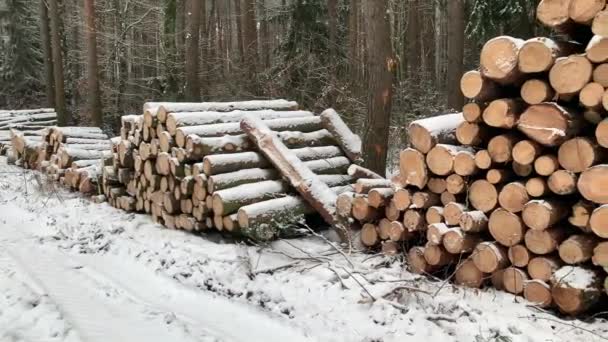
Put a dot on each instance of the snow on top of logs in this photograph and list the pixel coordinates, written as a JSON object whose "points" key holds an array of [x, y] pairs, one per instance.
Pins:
{"points": [[24, 112], [133, 118], [27, 118], [272, 207], [575, 277], [154, 107], [115, 140], [14, 132], [74, 129], [425, 133], [179, 119], [301, 176], [436, 124], [348, 141]]}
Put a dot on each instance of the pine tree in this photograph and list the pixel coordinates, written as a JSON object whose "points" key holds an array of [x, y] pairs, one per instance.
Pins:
{"points": [[305, 66], [20, 55]]}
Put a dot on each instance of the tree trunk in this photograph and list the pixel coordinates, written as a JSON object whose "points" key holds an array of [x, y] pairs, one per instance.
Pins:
{"points": [[441, 41], [412, 45], [265, 48], [455, 52], [381, 67], [332, 13], [193, 21], [47, 53], [62, 115], [92, 69], [239, 29], [250, 41], [353, 38]]}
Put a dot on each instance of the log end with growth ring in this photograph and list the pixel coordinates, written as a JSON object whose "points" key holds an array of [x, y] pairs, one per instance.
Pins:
{"points": [[583, 11], [538, 292], [570, 74], [553, 13], [537, 55], [506, 227], [467, 274], [483, 196], [490, 257], [593, 184], [499, 58], [514, 280]]}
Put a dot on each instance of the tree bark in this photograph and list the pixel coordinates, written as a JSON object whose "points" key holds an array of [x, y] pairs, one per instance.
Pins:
{"points": [[250, 40], [47, 53], [412, 45], [239, 29], [332, 13], [63, 116], [381, 64], [455, 52], [92, 69], [353, 38], [193, 21]]}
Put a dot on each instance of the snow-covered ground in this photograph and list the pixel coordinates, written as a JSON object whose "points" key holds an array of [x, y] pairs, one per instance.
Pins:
{"points": [[71, 270]]}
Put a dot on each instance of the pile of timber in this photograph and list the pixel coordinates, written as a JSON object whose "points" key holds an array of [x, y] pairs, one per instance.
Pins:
{"points": [[513, 191], [71, 155], [255, 169], [28, 121]]}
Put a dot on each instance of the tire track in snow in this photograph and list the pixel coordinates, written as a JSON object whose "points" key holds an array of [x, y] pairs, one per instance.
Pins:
{"points": [[106, 298], [27, 313], [232, 321], [94, 317]]}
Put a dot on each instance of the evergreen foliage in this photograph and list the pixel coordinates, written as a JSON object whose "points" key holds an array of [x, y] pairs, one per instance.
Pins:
{"points": [[21, 58], [304, 53], [490, 18]]}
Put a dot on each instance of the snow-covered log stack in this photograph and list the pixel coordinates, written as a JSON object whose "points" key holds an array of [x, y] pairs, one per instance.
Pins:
{"points": [[513, 191], [25, 148], [74, 156], [27, 121], [239, 167]]}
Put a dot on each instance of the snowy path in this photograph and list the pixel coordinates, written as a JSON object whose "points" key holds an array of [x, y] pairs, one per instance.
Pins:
{"points": [[72, 271], [108, 299]]}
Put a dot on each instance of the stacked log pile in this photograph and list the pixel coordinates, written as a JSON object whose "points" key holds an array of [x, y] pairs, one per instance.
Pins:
{"points": [[197, 166], [513, 191], [28, 121], [70, 155]]}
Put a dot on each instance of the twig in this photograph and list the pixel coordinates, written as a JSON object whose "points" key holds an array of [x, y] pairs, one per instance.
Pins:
{"points": [[449, 278], [435, 318], [358, 282], [339, 277], [404, 287], [307, 253], [394, 304], [331, 244], [277, 268], [570, 325]]}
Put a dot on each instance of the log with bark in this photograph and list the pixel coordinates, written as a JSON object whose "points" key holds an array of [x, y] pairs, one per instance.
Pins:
{"points": [[158, 111], [575, 289], [424, 134]]}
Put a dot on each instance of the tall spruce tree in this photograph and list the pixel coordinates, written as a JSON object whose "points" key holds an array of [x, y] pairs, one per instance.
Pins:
{"points": [[20, 55]]}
